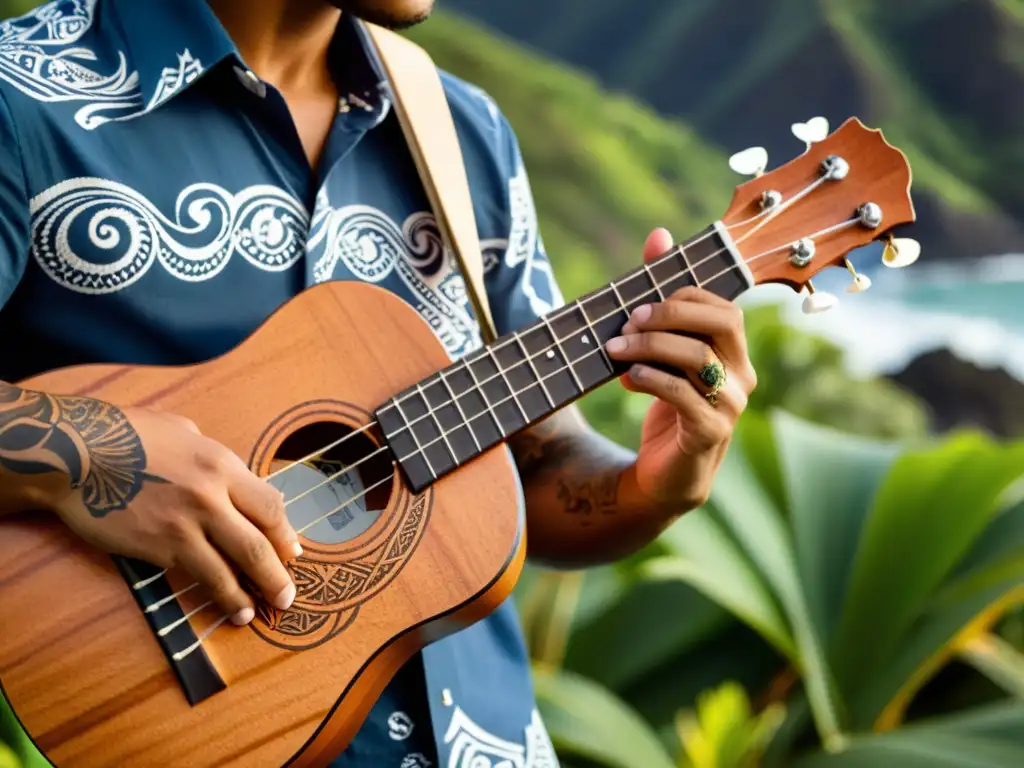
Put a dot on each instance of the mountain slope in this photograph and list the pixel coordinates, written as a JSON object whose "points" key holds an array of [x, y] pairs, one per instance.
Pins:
{"points": [[943, 79]]}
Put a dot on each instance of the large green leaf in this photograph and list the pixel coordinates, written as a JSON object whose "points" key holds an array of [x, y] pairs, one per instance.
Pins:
{"points": [[988, 737], [587, 720], [923, 649], [928, 513], [760, 528], [830, 480], [645, 628], [705, 557]]}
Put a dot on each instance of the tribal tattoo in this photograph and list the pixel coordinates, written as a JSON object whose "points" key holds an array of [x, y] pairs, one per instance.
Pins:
{"points": [[583, 467], [90, 441]]}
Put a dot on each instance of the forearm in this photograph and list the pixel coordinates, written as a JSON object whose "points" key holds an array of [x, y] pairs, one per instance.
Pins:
{"points": [[36, 441], [583, 504]]}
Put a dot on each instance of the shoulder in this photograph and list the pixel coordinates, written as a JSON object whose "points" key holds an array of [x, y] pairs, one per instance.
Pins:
{"points": [[61, 53], [485, 134]]}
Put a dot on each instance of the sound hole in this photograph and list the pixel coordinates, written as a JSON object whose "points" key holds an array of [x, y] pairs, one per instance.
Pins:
{"points": [[333, 497]]}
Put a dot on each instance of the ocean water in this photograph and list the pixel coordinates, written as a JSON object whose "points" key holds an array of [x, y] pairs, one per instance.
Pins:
{"points": [[975, 309]]}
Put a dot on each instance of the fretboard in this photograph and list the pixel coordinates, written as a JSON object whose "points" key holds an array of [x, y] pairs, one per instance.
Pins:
{"points": [[488, 396]]}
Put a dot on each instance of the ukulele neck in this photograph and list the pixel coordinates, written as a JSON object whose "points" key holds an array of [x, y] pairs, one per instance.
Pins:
{"points": [[491, 394]]}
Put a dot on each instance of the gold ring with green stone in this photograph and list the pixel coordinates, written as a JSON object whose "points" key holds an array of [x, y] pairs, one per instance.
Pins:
{"points": [[713, 376]]}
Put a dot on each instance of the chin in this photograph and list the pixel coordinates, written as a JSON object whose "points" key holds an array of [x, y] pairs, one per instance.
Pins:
{"points": [[393, 14]]}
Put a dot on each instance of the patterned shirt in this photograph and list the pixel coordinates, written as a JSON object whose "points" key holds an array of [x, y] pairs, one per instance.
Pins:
{"points": [[156, 206]]}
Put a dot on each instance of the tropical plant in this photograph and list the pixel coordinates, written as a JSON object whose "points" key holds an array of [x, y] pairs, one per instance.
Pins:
{"points": [[861, 567]]}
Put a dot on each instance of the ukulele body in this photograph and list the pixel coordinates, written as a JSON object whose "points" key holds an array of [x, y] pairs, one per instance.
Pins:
{"points": [[82, 667]]}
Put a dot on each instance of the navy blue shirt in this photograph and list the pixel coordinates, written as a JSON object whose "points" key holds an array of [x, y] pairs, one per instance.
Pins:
{"points": [[156, 205]]}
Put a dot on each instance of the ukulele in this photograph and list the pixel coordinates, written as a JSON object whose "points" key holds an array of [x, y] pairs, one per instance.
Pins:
{"points": [[395, 471]]}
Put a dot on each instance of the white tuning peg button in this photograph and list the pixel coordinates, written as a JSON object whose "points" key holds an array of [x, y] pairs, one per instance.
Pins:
{"points": [[815, 129], [819, 301], [859, 284], [900, 252], [750, 162]]}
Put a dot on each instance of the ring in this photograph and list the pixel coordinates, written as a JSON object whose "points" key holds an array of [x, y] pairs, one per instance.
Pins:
{"points": [[713, 376]]}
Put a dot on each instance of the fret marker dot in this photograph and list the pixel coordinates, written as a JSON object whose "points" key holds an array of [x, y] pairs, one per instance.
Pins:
{"points": [[551, 354], [585, 339]]}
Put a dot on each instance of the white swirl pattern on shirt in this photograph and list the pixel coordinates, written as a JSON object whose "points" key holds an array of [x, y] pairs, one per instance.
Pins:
{"points": [[93, 216]]}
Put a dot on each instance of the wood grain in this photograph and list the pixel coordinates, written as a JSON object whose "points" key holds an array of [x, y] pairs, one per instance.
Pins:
{"points": [[77, 661], [878, 173]]}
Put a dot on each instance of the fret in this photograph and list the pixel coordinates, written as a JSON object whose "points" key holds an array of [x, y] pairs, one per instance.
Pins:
{"points": [[449, 418], [462, 414], [533, 368], [511, 390], [415, 439], [579, 344], [673, 272], [437, 423], [524, 384], [568, 361], [654, 281], [483, 394], [597, 339], [634, 291], [689, 268], [620, 300], [550, 365]]}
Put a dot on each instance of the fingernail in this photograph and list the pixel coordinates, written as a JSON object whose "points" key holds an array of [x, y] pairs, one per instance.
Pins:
{"points": [[641, 314], [618, 344], [637, 372], [243, 617], [628, 329], [284, 598], [296, 549]]}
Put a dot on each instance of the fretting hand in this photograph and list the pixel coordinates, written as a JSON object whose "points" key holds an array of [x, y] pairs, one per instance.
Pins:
{"points": [[688, 427]]}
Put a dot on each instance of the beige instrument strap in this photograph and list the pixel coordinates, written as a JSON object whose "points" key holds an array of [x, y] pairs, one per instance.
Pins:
{"points": [[422, 108]]}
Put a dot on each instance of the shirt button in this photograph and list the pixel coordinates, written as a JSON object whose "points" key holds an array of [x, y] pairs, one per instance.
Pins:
{"points": [[249, 79]]}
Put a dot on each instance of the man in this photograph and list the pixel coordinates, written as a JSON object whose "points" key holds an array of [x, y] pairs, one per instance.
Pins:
{"points": [[172, 172]]}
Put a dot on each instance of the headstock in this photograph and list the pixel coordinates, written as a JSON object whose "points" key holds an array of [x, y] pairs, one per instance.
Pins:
{"points": [[846, 190]]}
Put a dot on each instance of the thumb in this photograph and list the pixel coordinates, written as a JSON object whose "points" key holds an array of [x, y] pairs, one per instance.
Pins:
{"points": [[658, 242]]}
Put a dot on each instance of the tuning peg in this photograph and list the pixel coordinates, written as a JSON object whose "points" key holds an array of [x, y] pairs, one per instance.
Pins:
{"points": [[900, 252], [750, 162], [815, 129], [818, 301], [860, 282]]}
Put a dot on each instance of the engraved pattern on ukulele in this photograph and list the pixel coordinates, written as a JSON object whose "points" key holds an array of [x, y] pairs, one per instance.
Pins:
{"points": [[42, 56], [473, 747], [329, 592], [98, 236]]}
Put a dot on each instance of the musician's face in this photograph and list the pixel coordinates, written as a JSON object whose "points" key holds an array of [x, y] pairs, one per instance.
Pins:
{"points": [[394, 14]]}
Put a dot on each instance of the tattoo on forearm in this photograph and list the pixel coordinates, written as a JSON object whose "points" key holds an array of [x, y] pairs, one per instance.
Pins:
{"points": [[92, 442], [582, 469], [588, 497]]}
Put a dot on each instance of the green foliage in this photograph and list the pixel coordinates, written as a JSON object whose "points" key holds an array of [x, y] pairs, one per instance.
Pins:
{"points": [[864, 565], [724, 732]]}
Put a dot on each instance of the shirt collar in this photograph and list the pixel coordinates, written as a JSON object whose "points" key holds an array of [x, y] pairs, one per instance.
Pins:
{"points": [[172, 42]]}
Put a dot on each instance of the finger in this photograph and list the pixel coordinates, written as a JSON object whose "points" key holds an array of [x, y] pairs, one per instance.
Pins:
{"points": [[253, 553], [265, 506], [657, 244], [209, 568], [723, 325], [685, 354], [705, 425]]}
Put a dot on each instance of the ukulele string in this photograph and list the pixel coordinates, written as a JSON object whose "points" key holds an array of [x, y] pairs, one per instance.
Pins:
{"points": [[656, 290], [513, 394], [673, 253], [431, 411]]}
